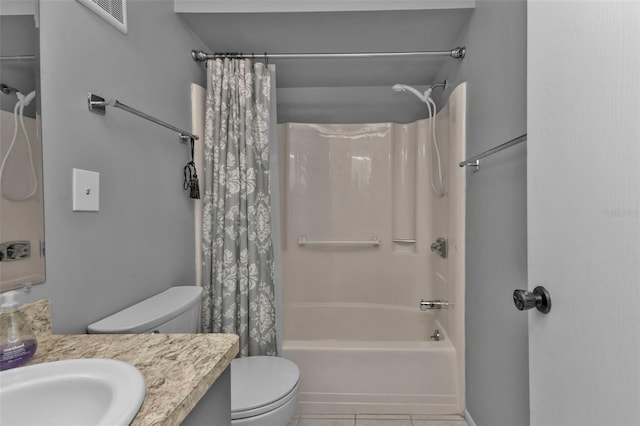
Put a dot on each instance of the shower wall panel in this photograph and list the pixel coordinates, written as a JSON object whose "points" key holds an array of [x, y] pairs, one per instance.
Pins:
{"points": [[356, 182]]}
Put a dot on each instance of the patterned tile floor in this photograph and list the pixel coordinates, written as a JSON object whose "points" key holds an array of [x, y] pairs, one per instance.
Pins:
{"points": [[375, 420]]}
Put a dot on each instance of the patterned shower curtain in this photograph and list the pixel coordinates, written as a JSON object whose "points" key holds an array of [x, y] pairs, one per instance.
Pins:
{"points": [[237, 250]]}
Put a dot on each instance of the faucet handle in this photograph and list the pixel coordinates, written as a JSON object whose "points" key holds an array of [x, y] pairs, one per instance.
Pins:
{"points": [[439, 247]]}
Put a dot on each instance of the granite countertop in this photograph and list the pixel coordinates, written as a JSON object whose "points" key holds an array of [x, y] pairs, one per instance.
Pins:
{"points": [[178, 368]]}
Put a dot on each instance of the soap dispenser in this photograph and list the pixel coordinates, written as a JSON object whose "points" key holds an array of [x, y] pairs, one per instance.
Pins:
{"points": [[17, 342]]}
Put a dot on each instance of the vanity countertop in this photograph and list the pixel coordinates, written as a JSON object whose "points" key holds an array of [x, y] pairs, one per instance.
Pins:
{"points": [[179, 368]]}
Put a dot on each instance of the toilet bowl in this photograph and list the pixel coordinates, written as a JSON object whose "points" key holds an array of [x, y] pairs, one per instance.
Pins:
{"points": [[262, 392], [264, 389]]}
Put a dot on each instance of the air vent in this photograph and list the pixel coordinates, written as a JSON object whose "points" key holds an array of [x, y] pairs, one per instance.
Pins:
{"points": [[112, 11]]}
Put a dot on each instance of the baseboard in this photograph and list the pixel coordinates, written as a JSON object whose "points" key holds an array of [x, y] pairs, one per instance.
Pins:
{"points": [[468, 419]]}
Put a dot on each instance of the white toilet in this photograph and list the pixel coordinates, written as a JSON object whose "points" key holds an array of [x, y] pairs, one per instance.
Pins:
{"points": [[264, 389]]}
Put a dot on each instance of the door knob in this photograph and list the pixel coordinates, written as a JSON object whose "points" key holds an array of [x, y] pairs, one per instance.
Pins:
{"points": [[539, 298]]}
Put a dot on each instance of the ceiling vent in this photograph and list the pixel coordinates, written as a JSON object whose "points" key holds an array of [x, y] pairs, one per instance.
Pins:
{"points": [[112, 11]]}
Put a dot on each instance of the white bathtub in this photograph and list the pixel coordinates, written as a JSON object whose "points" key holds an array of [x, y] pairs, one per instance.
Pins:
{"points": [[365, 358]]}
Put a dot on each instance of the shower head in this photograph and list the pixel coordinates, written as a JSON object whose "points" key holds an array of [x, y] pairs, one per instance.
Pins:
{"points": [[405, 88], [28, 98], [422, 96], [25, 100]]}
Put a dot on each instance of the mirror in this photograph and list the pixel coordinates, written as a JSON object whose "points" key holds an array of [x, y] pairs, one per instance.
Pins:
{"points": [[21, 196]]}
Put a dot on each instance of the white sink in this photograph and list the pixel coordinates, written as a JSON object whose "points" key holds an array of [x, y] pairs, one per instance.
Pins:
{"points": [[76, 392]]}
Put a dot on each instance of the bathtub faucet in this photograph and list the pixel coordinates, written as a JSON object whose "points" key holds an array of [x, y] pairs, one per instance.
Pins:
{"points": [[433, 304]]}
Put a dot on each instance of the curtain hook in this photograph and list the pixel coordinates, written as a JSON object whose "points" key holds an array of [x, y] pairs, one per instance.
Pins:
{"points": [[266, 59]]}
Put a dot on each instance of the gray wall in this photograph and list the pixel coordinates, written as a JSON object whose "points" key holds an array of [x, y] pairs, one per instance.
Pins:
{"points": [[141, 240], [362, 104], [496, 333]]}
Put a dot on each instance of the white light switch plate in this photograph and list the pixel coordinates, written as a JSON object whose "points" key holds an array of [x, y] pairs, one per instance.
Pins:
{"points": [[86, 191]]}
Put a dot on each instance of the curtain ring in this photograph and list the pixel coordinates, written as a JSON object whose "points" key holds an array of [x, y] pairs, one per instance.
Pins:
{"points": [[266, 59]]}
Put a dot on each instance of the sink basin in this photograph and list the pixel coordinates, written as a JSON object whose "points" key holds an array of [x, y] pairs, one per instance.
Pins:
{"points": [[80, 392]]}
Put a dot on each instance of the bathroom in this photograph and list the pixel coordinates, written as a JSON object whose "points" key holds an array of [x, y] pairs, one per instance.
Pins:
{"points": [[142, 239]]}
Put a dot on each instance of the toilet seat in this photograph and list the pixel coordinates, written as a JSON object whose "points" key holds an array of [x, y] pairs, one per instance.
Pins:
{"points": [[261, 384]]}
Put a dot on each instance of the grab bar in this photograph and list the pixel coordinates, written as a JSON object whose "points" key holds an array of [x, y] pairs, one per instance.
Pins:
{"points": [[303, 241]]}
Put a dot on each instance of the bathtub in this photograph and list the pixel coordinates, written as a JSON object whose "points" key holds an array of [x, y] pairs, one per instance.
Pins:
{"points": [[367, 358]]}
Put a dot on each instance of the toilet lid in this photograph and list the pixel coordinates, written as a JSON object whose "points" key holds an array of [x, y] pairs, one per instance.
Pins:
{"points": [[149, 313], [260, 384]]}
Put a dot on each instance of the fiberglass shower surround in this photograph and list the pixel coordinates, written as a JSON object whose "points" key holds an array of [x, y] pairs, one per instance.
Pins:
{"points": [[359, 195]]}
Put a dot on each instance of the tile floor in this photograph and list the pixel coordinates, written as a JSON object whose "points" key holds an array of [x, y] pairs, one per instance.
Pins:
{"points": [[375, 420]]}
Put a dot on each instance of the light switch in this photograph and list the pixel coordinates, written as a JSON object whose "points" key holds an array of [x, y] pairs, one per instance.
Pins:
{"points": [[86, 191]]}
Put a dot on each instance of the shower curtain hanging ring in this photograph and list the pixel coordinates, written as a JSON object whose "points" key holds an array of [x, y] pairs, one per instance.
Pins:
{"points": [[266, 59]]}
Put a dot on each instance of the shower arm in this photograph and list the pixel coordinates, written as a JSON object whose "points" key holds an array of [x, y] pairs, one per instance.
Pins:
{"points": [[444, 85], [7, 90]]}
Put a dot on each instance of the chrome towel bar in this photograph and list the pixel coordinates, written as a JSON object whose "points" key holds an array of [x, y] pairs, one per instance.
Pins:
{"points": [[18, 58], [303, 241], [98, 105], [475, 161]]}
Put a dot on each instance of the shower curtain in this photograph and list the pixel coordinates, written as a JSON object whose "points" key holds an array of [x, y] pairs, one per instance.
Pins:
{"points": [[237, 247]]}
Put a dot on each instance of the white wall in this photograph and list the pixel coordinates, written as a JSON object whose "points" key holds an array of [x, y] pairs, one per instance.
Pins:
{"points": [[141, 241], [496, 333]]}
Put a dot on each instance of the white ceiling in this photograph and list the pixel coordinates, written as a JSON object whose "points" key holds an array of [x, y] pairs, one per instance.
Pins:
{"points": [[329, 32]]}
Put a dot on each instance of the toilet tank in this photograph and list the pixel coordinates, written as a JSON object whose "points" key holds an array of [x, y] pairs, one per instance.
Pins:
{"points": [[176, 310]]}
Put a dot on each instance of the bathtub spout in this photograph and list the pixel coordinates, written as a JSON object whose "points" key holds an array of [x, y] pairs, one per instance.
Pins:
{"points": [[433, 304]]}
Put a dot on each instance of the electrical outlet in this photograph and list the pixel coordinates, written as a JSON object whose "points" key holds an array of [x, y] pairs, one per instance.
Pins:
{"points": [[86, 191]]}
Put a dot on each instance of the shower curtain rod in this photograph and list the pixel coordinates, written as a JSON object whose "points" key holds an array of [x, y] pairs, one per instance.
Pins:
{"points": [[457, 53]]}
